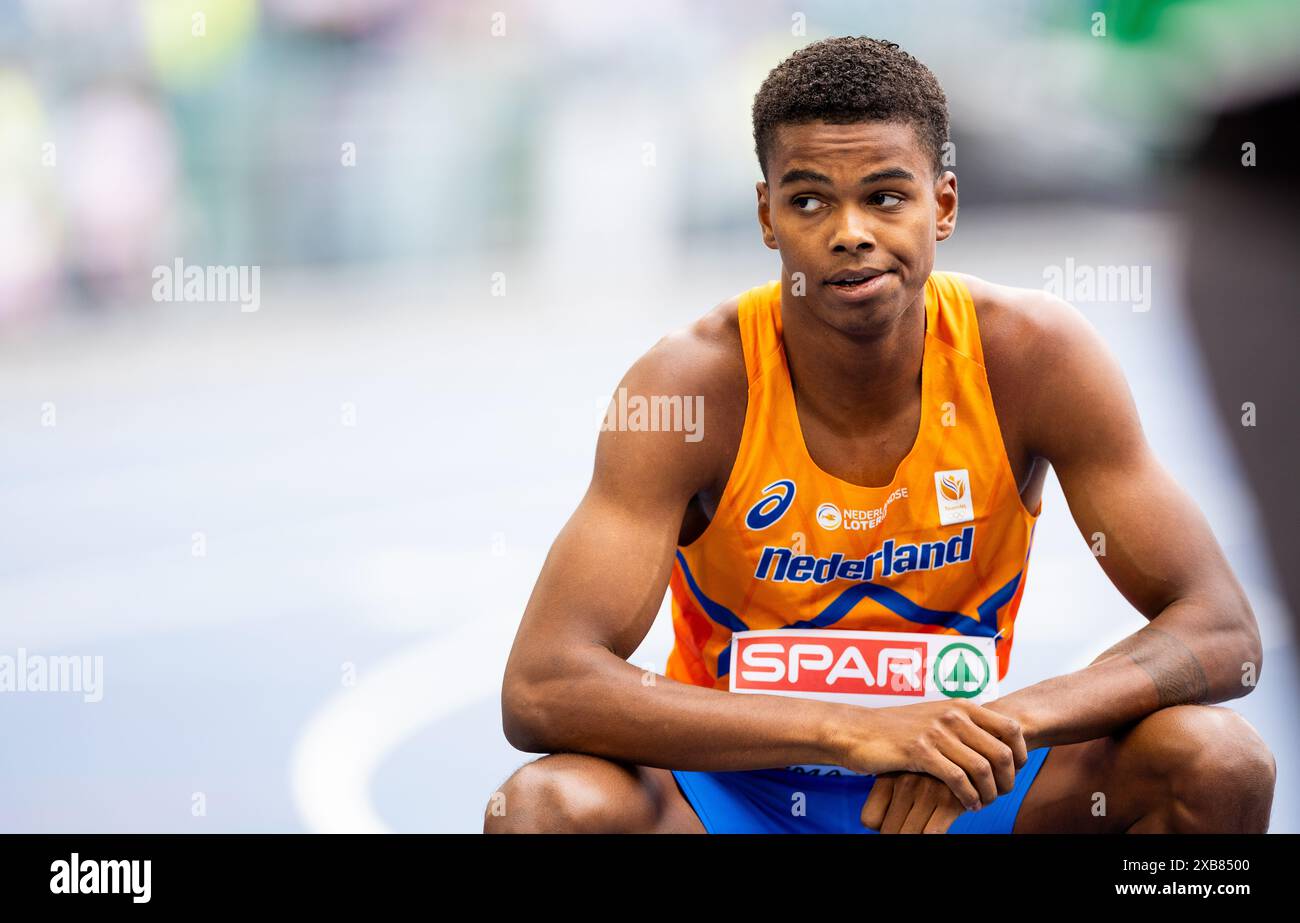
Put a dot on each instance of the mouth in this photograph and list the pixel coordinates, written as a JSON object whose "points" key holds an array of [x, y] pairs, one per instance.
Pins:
{"points": [[855, 284]]}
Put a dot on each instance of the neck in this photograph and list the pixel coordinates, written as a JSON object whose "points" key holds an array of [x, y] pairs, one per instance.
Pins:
{"points": [[855, 382]]}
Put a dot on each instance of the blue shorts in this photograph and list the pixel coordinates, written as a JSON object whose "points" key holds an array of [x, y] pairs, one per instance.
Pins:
{"points": [[763, 801]]}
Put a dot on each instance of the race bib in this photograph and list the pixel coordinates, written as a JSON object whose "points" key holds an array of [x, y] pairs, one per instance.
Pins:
{"points": [[876, 669], [872, 668]]}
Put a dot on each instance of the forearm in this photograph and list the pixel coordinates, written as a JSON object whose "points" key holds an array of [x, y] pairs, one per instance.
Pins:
{"points": [[608, 707], [1190, 653]]}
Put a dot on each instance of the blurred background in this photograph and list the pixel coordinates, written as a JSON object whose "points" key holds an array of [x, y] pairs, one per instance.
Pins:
{"points": [[297, 516]]}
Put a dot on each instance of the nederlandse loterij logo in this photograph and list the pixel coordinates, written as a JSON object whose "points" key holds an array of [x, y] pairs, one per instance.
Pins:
{"points": [[831, 517], [828, 516], [952, 493], [961, 671], [776, 499]]}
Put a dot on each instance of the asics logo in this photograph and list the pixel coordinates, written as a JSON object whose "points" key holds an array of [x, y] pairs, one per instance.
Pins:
{"points": [[777, 498]]}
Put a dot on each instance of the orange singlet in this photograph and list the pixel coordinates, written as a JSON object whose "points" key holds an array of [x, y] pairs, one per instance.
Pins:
{"points": [[943, 548]]}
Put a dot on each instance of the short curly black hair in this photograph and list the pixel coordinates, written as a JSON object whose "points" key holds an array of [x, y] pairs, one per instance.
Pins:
{"points": [[851, 79]]}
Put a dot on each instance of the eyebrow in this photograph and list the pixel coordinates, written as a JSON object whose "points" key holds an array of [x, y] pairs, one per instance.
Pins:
{"points": [[812, 176]]}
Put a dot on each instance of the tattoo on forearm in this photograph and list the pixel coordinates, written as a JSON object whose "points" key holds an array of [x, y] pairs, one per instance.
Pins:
{"points": [[1177, 674]]}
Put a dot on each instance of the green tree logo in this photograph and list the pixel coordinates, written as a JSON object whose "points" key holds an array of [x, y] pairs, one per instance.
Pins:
{"points": [[961, 671]]}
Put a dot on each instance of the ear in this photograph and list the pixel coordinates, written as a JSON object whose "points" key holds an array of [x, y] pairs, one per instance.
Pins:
{"points": [[765, 215], [945, 204]]}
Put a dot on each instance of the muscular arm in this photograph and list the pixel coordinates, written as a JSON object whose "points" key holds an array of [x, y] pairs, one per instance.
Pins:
{"points": [[568, 686], [1159, 551]]}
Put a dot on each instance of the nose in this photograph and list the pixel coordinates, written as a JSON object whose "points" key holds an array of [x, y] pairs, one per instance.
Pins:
{"points": [[853, 233]]}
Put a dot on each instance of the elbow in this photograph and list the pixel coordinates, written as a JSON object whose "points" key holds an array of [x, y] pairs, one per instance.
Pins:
{"points": [[1252, 655], [546, 701], [1249, 649], [523, 715]]}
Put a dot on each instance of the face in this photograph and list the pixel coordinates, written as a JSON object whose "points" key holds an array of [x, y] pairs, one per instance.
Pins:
{"points": [[857, 210]]}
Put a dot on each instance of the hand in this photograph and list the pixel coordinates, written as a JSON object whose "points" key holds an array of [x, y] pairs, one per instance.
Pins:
{"points": [[973, 750], [910, 802], [913, 802], [1028, 713]]}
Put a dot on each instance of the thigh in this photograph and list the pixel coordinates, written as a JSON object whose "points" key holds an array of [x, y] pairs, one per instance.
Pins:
{"points": [[674, 813], [1086, 787]]}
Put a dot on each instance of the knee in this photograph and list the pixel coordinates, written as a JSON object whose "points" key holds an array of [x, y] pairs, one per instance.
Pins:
{"points": [[1212, 763], [565, 793]]}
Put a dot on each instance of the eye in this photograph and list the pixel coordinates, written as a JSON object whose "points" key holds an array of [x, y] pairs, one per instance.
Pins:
{"points": [[799, 200], [897, 200]]}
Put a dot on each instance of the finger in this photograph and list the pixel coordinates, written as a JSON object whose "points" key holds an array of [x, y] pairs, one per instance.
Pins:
{"points": [[1005, 729], [906, 788], [976, 766], [996, 753], [954, 776], [923, 807], [947, 812], [873, 812]]}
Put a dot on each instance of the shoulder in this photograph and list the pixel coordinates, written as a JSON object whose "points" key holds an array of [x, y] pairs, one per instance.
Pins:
{"points": [[705, 356], [700, 366], [1047, 356], [1024, 326]]}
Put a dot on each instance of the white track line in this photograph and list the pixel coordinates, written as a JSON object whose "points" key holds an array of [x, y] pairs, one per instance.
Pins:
{"points": [[346, 741]]}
